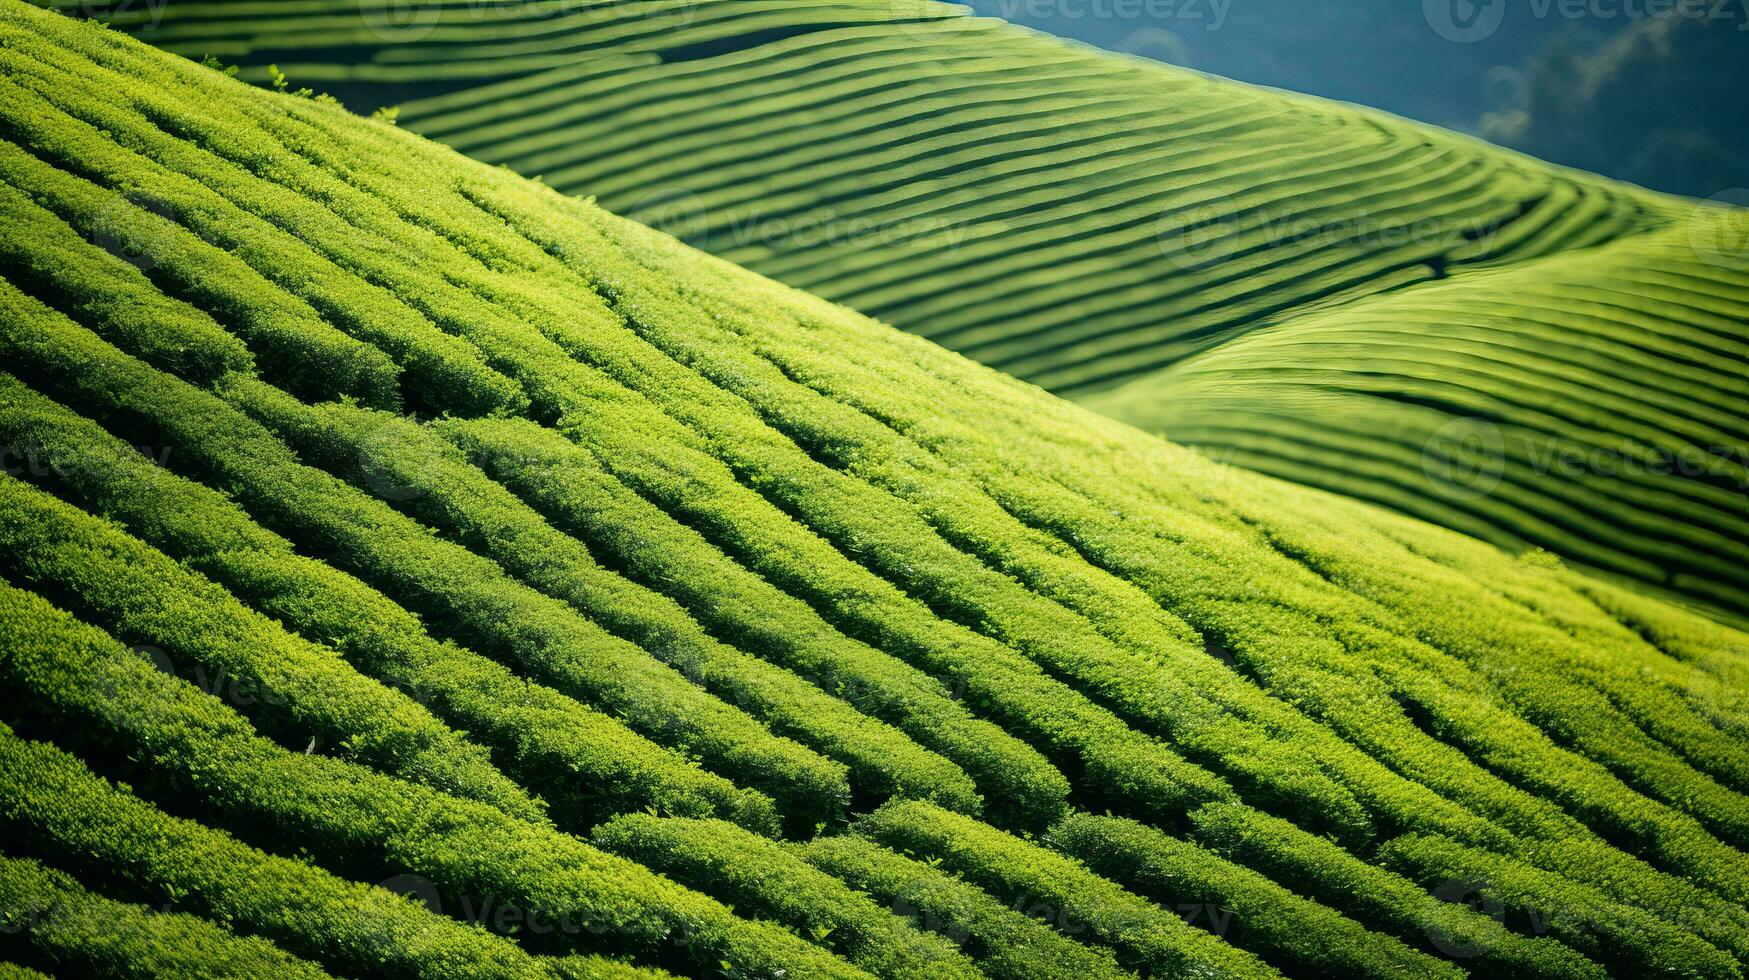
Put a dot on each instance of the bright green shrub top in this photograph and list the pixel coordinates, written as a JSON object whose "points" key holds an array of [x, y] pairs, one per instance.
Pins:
{"points": [[497, 485]]}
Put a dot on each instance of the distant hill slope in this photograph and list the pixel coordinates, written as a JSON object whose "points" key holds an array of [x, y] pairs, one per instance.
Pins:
{"points": [[1071, 217], [374, 515], [1592, 403], [1087, 221]]}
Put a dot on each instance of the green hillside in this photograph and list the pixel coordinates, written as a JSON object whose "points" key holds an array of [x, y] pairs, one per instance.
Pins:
{"points": [[1068, 216], [1593, 403], [373, 515], [1116, 231]]}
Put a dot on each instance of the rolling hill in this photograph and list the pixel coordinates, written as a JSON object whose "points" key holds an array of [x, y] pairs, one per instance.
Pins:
{"points": [[1592, 403], [1128, 235], [374, 515]]}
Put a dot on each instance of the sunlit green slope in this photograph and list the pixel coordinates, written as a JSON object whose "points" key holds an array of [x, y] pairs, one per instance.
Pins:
{"points": [[1086, 221], [1595, 403], [1068, 216], [371, 514]]}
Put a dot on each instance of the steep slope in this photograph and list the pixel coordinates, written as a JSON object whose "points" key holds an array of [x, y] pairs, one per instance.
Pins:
{"points": [[608, 596], [1592, 403], [1068, 216], [1086, 221]]}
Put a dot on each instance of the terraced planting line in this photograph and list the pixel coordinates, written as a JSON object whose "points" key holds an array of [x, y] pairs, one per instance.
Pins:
{"points": [[74, 928], [1144, 936], [292, 686], [580, 495], [1381, 899], [1366, 731], [820, 411], [1180, 875], [534, 632], [1097, 224], [1627, 939], [758, 593], [763, 877], [1004, 941], [642, 96], [347, 926], [583, 763], [204, 748], [491, 521], [1670, 506]]}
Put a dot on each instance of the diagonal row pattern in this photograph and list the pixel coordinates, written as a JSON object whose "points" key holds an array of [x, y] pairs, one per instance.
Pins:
{"points": [[729, 630]]}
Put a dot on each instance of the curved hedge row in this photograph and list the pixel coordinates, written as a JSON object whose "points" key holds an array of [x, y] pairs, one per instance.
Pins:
{"points": [[79, 133], [425, 573], [582, 762], [1249, 910], [1380, 899], [1068, 216], [1130, 764], [578, 966], [1308, 621], [1005, 595], [765, 878], [1190, 255], [1586, 403], [294, 688], [572, 487], [47, 257], [444, 490], [1005, 941], [1133, 764], [86, 136], [1127, 766], [94, 689], [77, 930], [53, 800], [1145, 937], [1624, 938], [284, 335]]}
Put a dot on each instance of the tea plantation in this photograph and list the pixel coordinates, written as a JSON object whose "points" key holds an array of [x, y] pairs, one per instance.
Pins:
{"points": [[1116, 231], [409, 570]]}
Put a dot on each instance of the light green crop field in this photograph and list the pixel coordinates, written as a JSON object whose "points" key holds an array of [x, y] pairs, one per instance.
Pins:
{"points": [[1593, 403], [1549, 359], [409, 570]]}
